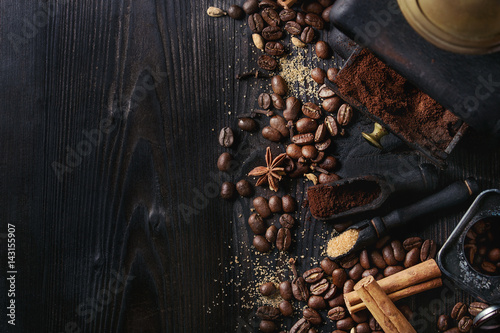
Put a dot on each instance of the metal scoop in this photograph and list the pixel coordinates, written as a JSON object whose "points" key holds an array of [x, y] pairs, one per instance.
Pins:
{"points": [[369, 231]]}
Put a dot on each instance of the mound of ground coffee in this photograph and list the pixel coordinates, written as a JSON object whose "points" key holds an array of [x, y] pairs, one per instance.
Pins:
{"points": [[397, 102], [327, 200]]}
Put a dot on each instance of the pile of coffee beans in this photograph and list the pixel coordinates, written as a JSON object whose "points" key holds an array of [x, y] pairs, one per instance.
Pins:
{"points": [[322, 288], [461, 317], [482, 246], [265, 235]]}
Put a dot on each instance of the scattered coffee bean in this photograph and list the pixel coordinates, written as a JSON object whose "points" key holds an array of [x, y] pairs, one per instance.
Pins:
{"points": [[244, 188], [346, 324], [224, 161], [339, 277], [349, 261], [321, 133], [324, 178], [289, 203], [271, 17], [331, 125], [428, 250], [374, 325], [279, 85], [257, 224], [413, 242], [251, 6], [226, 137], [303, 139], [285, 288], [390, 270], [264, 101], [316, 302], [331, 292], [247, 124], [348, 286], [315, 21], [227, 190], [318, 75], [309, 152], [293, 106], [476, 307], [287, 14], [235, 12], [275, 204], [377, 259], [331, 73], [458, 311], [272, 33], [293, 28], [262, 207], [325, 92], [364, 259], [268, 326], [306, 125], [256, 23], [443, 323], [283, 239], [286, 308], [278, 101], [337, 301], [388, 254], [325, 3], [465, 324], [363, 328], [399, 252], [336, 313], [313, 275], [323, 50], [307, 35], [299, 289], [271, 134], [267, 312], [412, 258], [312, 316], [332, 104], [356, 271], [319, 287], [344, 115], [294, 151], [274, 48], [266, 62], [261, 244], [370, 272], [287, 221], [301, 326], [312, 7], [311, 110], [328, 266], [267, 289], [271, 234], [279, 123], [361, 316]]}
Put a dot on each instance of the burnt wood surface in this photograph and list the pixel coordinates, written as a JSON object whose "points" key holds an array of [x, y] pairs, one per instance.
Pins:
{"points": [[110, 115]]}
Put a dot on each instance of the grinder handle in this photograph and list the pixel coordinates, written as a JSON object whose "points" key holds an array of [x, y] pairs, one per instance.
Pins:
{"points": [[452, 195]]}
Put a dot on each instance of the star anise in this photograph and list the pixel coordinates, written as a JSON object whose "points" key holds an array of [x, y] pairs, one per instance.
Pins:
{"points": [[271, 173]]}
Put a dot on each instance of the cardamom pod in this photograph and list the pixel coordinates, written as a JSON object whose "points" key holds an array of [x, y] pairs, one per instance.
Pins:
{"points": [[258, 41], [215, 12], [297, 42], [312, 177]]}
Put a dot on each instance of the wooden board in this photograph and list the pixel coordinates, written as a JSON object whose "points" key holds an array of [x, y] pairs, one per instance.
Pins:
{"points": [[124, 233]]}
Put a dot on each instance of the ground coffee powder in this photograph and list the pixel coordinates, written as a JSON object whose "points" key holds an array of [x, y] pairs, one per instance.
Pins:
{"points": [[327, 200], [389, 96]]}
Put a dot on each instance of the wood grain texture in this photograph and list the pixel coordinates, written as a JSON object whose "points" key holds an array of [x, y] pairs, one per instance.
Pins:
{"points": [[125, 233]]}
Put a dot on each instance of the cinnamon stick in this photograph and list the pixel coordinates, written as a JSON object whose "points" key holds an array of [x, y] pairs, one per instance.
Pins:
{"points": [[287, 3], [409, 277], [381, 307], [396, 296]]}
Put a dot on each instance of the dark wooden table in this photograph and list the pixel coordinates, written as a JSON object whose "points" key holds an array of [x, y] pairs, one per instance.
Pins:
{"points": [[110, 115]]}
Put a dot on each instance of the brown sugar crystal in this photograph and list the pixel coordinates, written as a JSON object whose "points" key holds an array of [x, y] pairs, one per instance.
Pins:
{"points": [[342, 243]]}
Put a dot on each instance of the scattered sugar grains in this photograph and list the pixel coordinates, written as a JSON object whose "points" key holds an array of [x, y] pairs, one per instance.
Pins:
{"points": [[298, 75], [343, 243]]}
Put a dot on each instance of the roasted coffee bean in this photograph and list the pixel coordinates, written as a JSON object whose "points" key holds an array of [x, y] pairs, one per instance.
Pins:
{"points": [[344, 115], [332, 104], [247, 124], [412, 257], [309, 152], [268, 326], [266, 62], [318, 75], [364, 259], [306, 125], [382, 242], [465, 324], [251, 6], [283, 239], [293, 106], [271, 134], [336, 313], [339, 277], [443, 323], [286, 308], [268, 4], [399, 252], [224, 161], [331, 73], [271, 17], [346, 324], [458, 311], [267, 312], [476, 307], [287, 221], [488, 267], [227, 190], [322, 146], [349, 261], [348, 286], [279, 85], [316, 302], [272, 33], [299, 289], [267, 289], [271, 234], [264, 101], [331, 125], [293, 28], [321, 133], [307, 35], [323, 50], [279, 123], [244, 188], [390, 270], [274, 48], [289, 203], [275, 204], [370, 272], [494, 254], [312, 316], [324, 178], [256, 23], [406, 311], [303, 139], [278, 101], [319, 287], [315, 21], [299, 171], [325, 92], [377, 259], [361, 316], [356, 271], [328, 266], [325, 3], [262, 207], [312, 7], [301, 326], [374, 325], [413, 242], [301, 18], [285, 289], [313, 275], [363, 328], [311, 110], [294, 151], [428, 250], [261, 244], [257, 224], [453, 330], [226, 137], [235, 12], [337, 301], [287, 14], [388, 254], [330, 292]]}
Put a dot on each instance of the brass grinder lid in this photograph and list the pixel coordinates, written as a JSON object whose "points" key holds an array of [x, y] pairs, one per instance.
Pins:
{"points": [[463, 26]]}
